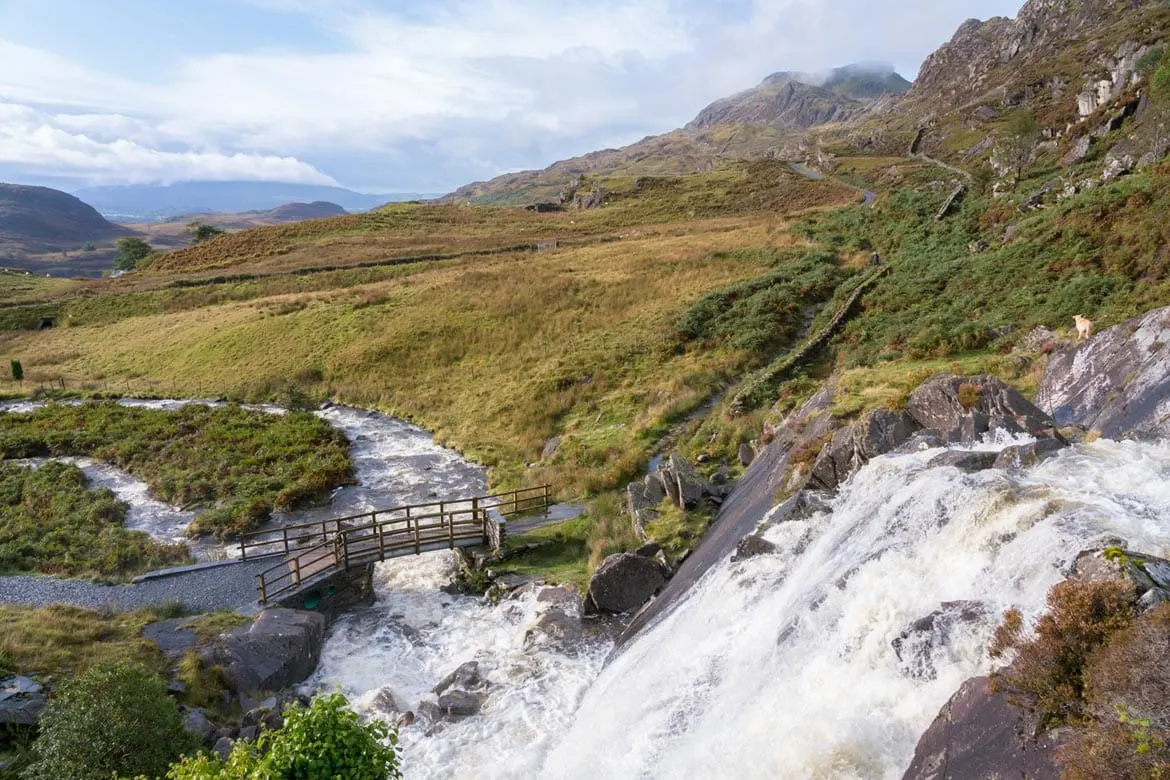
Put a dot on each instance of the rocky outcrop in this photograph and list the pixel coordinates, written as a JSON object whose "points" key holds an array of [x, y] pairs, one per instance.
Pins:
{"points": [[980, 735], [1149, 575], [278, 650], [963, 460], [21, 701], [1024, 456], [623, 583], [752, 545], [851, 448], [1116, 383], [674, 479], [965, 408]]}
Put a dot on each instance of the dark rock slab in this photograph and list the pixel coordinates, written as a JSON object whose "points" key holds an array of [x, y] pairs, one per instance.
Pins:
{"points": [[196, 723], [642, 501], [466, 677], [1028, 455], [691, 488], [623, 583], [979, 735], [851, 448], [278, 650], [554, 627], [459, 704], [964, 461], [173, 637], [1116, 383], [751, 546]]}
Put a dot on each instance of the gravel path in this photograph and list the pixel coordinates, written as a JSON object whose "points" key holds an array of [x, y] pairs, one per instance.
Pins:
{"points": [[224, 587]]}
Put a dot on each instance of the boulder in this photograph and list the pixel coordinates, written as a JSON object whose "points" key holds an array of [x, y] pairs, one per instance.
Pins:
{"points": [[649, 550], [561, 594], [197, 724], [278, 650], [1149, 575], [1116, 383], [1037, 340], [466, 676], [1077, 150], [962, 407], [964, 461], [691, 488], [385, 701], [927, 439], [554, 627], [752, 545], [223, 748], [921, 641], [980, 734], [1027, 455], [746, 455], [550, 448], [851, 448], [459, 704], [642, 501], [21, 701], [623, 583]]}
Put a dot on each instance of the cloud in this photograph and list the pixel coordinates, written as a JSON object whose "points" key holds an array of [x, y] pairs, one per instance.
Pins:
{"points": [[423, 94], [38, 143]]}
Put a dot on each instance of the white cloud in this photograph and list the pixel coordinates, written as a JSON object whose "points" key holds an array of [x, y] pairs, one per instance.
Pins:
{"points": [[501, 82], [40, 143]]}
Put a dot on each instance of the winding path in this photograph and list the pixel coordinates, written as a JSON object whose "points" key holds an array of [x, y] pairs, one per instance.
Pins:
{"points": [[815, 175]]}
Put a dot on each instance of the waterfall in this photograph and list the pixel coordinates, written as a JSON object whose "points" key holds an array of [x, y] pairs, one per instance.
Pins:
{"points": [[781, 666]]}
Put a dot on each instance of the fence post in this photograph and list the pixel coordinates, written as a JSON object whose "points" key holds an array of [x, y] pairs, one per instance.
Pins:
{"points": [[263, 589], [285, 535], [476, 514], [296, 564], [547, 498], [417, 546], [381, 543]]}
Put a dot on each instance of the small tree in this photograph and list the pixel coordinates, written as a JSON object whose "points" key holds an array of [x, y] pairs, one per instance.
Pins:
{"points": [[1013, 149], [17, 371], [115, 719], [131, 251], [327, 739], [201, 231]]}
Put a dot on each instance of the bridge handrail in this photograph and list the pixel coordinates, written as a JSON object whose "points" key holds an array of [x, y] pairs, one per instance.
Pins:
{"points": [[458, 521], [283, 539]]}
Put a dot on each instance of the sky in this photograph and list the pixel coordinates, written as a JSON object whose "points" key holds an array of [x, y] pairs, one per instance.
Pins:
{"points": [[401, 95]]}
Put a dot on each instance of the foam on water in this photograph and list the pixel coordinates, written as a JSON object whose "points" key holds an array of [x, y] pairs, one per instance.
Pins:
{"points": [[415, 635], [781, 666]]}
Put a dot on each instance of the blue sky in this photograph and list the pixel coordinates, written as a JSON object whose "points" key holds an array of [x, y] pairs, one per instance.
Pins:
{"points": [[401, 95]]}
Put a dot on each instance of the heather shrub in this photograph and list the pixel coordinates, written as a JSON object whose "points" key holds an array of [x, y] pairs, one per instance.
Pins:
{"points": [[1048, 673]]}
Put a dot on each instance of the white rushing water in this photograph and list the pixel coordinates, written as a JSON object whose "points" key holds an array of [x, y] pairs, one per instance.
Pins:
{"points": [[781, 666], [394, 463], [415, 635]]}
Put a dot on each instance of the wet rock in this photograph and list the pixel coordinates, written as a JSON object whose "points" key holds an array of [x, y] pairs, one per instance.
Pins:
{"points": [[384, 701], [459, 704], [562, 594], [649, 550], [21, 700], [430, 710], [405, 719], [920, 642], [466, 676], [964, 461], [927, 439], [962, 407], [1027, 455], [197, 724], [752, 545], [623, 583], [851, 448], [746, 455], [278, 650], [553, 627], [1117, 383], [980, 734]]}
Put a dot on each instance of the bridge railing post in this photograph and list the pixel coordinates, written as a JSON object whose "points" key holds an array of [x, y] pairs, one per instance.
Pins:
{"points": [[285, 535], [296, 564], [547, 498], [263, 589]]}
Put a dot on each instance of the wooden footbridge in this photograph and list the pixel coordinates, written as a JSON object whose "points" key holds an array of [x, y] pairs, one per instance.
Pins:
{"points": [[310, 552]]}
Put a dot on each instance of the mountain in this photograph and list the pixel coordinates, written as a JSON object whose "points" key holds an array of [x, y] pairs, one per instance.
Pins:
{"points": [[767, 120], [295, 212], [39, 219], [157, 201], [797, 101]]}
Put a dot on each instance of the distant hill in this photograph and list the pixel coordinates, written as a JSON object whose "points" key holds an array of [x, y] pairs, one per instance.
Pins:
{"points": [[769, 120], [138, 202], [295, 212], [37, 220]]}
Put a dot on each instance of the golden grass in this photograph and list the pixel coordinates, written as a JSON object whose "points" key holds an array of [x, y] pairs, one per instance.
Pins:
{"points": [[64, 640]]}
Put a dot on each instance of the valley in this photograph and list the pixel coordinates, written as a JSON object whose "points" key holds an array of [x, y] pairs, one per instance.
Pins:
{"points": [[842, 490]]}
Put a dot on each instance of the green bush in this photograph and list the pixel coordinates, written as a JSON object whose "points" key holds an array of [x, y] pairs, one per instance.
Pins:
{"points": [[239, 463], [115, 720], [52, 523], [326, 739]]}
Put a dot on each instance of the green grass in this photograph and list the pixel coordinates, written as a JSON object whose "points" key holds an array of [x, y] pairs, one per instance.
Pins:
{"points": [[679, 531], [52, 523], [60, 641], [239, 465]]}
